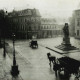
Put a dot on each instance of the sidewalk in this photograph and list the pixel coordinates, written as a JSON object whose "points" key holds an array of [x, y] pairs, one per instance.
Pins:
{"points": [[22, 63], [5, 67], [2, 76]]}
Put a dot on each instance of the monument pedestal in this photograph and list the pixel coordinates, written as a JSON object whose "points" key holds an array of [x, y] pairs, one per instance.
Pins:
{"points": [[66, 41], [66, 45]]}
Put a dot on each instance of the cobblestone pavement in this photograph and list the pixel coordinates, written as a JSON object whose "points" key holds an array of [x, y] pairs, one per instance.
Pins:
{"points": [[32, 67], [33, 63]]}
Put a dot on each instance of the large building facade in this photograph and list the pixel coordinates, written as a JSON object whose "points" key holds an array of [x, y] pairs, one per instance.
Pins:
{"points": [[49, 28], [77, 23], [25, 23]]}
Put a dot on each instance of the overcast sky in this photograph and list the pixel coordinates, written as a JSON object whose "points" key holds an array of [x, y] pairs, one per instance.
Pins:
{"points": [[55, 8]]}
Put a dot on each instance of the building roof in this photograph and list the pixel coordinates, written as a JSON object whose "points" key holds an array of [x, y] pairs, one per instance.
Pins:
{"points": [[77, 10], [48, 21], [25, 12]]}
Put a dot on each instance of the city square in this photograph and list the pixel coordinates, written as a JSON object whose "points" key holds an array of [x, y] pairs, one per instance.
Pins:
{"points": [[40, 40], [33, 63]]}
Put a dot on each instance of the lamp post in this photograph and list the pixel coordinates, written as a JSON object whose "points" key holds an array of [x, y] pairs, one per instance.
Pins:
{"points": [[14, 67], [4, 53]]}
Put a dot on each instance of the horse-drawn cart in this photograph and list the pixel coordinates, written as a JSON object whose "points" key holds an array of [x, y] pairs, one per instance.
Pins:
{"points": [[33, 44], [69, 66], [66, 64]]}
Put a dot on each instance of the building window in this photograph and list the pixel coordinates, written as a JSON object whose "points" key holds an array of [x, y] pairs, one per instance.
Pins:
{"points": [[21, 27], [41, 27], [78, 22], [77, 32], [29, 28], [44, 27], [49, 27], [33, 27], [24, 28], [36, 27], [53, 27], [78, 13], [25, 20]]}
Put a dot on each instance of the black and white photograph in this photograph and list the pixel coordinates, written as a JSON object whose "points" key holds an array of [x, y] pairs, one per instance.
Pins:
{"points": [[39, 39]]}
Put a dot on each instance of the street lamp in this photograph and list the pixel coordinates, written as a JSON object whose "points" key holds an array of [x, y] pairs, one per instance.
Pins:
{"points": [[4, 53], [5, 15], [14, 67]]}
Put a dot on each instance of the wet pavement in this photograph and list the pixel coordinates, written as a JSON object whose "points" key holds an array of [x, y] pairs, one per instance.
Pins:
{"points": [[33, 63]]}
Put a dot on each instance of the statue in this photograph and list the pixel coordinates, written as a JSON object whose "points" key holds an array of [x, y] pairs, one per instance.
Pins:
{"points": [[66, 45], [66, 30], [66, 39]]}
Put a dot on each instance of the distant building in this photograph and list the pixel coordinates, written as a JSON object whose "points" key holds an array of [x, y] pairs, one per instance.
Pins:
{"points": [[25, 23], [28, 24], [49, 28], [77, 23]]}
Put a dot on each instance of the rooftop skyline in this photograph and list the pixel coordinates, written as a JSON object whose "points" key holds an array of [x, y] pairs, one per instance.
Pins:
{"points": [[47, 8]]}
